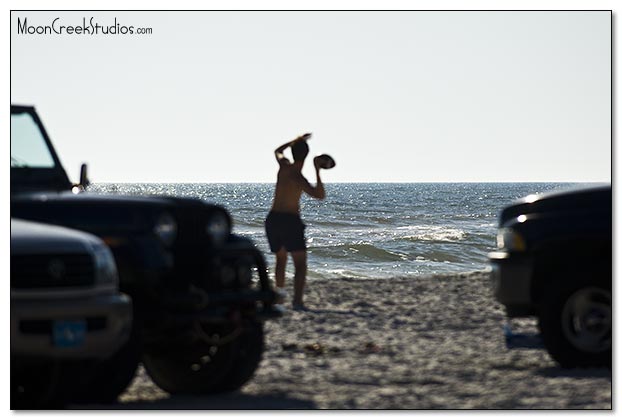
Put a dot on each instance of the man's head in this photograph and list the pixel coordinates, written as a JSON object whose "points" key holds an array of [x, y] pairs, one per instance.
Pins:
{"points": [[300, 150]]}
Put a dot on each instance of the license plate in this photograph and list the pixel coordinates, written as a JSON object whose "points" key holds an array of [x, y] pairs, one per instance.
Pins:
{"points": [[68, 334]]}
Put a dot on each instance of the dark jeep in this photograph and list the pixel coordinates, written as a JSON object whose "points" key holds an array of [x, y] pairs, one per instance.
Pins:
{"points": [[554, 263], [200, 292]]}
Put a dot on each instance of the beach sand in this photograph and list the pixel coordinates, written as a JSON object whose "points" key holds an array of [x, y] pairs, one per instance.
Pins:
{"points": [[432, 342]]}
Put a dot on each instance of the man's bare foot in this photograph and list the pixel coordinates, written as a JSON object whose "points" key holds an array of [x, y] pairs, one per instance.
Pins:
{"points": [[281, 296], [299, 307]]}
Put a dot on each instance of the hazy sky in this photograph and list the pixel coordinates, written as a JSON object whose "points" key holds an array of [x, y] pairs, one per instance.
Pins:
{"points": [[393, 96]]}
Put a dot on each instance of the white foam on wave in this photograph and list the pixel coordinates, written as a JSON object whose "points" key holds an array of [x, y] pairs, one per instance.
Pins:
{"points": [[371, 235], [431, 233]]}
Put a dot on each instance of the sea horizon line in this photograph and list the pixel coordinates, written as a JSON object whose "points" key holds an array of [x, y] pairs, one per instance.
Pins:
{"points": [[352, 182]]}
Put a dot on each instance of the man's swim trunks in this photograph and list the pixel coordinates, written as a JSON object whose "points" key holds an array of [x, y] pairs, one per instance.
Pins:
{"points": [[285, 230]]}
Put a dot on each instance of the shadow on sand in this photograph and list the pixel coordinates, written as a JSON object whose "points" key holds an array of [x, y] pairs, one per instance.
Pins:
{"points": [[557, 372], [331, 311], [235, 401]]}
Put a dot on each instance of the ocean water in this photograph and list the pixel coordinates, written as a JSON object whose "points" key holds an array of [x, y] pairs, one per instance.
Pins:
{"points": [[372, 230]]}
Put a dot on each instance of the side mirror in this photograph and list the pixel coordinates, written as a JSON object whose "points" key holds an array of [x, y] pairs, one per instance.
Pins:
{"points": [[84, 180]]}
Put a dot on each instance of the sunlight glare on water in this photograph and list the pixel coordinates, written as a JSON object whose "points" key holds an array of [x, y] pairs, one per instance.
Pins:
{"points": [[371, 230]]}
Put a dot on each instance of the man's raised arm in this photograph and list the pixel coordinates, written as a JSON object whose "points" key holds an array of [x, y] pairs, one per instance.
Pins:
{"points": [[317, 191], [278, 153]]}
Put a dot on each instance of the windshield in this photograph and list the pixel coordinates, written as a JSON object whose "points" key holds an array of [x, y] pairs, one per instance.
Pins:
{"points": [[28, 147]]}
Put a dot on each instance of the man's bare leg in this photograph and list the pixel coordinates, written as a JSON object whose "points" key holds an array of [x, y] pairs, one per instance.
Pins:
{"points": [[300, 276], [279, 270]]}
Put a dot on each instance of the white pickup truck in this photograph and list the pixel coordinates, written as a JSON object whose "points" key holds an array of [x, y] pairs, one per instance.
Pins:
{"points": [[67, 314]]}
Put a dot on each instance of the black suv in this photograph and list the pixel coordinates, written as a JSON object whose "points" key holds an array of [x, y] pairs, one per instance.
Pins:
{"points": [[200, 292], [554, 263]]}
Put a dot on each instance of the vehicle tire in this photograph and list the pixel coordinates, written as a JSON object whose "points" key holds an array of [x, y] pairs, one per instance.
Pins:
{"points": [[248, 358], [112, 376], [217, 359], [575, 321]]}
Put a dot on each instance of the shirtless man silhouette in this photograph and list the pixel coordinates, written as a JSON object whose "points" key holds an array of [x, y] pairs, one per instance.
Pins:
{"points": [[284, 227]]}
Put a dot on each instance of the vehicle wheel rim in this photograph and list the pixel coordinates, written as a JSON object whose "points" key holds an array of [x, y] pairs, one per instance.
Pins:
{"points": [[200, 363], [586, 319], [208, 352]]}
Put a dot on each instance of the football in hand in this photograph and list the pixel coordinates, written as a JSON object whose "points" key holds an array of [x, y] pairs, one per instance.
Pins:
{"points": [[324, 161]]}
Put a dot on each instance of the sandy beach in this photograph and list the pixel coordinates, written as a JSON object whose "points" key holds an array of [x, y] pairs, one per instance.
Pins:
{"points": [[433, 342]]}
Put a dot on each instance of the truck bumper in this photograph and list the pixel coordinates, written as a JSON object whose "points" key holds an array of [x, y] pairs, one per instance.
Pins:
{"points": [[511, 282], [77, 328]]}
